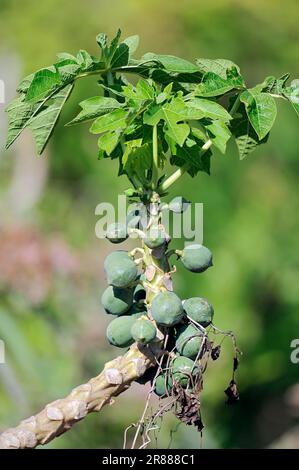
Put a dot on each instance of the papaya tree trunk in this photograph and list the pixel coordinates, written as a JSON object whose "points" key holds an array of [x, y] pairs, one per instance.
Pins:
{"points": [[59, 416]]}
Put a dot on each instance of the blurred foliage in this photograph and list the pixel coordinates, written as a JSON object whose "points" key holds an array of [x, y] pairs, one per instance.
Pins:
{"points": [[50, 318]]}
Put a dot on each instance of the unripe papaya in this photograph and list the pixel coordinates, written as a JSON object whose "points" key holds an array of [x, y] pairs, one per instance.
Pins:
{"points": [[167, 309], [199, 310], [143, 331], [178, 204], [120, 269], [117, 301], [189, 340], [196, 258], [115, 256], [154, 238], [116, 233], [119, 331], [183, 370], [163, 385]]}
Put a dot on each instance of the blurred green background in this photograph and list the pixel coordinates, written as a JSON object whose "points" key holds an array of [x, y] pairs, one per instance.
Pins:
{"points": [[51, 274]]}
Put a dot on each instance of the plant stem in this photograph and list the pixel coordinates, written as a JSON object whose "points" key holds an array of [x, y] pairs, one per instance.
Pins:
{"points": [[178, 173], [155, 167], [174, 177], [59, 416], [235, 106]]}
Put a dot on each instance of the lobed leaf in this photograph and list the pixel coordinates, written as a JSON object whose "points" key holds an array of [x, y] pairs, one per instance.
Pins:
{"points": [[217, 66], [261, 111], [44, 82], [95, 107], [19, 113], [171, 63], [210, 109], [292, 94], [43, 123], [117, 119], [245, 136], [191, 156], [219, 133]]}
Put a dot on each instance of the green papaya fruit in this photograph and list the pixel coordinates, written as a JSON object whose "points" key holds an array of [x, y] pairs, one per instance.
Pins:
{"points": [[199, 310], [119, 331], [143, 331], [196, 258], [183, 370], [163, 385], [167, 309], [178, 204], [120, 269], [117, 301], [154, 238], [116, 233], [189, 340], [115, 256]]}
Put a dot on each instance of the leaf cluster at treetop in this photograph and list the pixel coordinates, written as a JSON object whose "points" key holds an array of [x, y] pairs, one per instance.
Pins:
{"points": [[190, 108]]}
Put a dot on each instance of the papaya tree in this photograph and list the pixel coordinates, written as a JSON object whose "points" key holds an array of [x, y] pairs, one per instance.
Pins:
{"points": [[171, 114]]}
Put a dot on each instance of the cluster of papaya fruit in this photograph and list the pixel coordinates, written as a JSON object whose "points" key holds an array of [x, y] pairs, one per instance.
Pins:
{"points": [[144, 308]]}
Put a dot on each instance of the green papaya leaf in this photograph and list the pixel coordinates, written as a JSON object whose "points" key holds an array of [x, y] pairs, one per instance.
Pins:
{"points": [[132, 42], [121, 56], [172, 113], [219, 133], [44, 82], [143, 91], [172, 63], [191, 156], [84, 60], [214, 85], [110, 122], [114, 44], [19, 113], [137, 158], [261, 111], [43, 123], [245, 135], [292, 94], [210, 109], [62, 56], [108, 142], [95, 107], [67, 70], [25, 83], [217, 66]]}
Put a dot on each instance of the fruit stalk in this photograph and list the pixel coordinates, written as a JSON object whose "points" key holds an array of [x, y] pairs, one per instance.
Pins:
{"points": [[59, 416]]}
